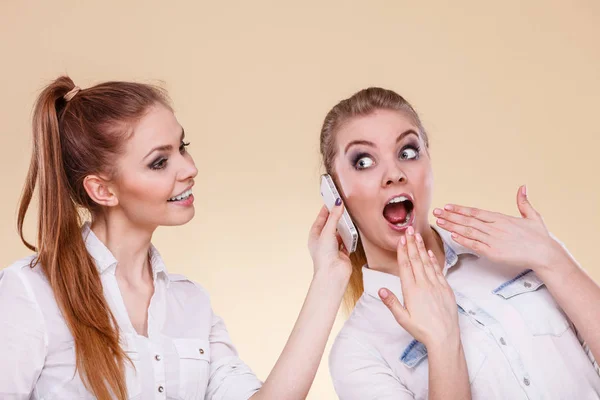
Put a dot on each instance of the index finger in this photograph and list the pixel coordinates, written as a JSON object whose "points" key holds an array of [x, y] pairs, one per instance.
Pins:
{"points": [[482, 215], [404, 267]]}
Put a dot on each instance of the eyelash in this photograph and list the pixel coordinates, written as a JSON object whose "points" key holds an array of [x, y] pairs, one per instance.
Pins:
{"points": [[411, 146], [414, 147], [161, 163]]}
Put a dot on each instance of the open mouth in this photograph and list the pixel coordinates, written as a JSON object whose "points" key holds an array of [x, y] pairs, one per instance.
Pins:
{"points": [[181, 197], [399, 211]]}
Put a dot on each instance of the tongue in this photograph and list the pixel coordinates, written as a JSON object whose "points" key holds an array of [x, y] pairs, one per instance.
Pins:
{"points": [[395, 213]]}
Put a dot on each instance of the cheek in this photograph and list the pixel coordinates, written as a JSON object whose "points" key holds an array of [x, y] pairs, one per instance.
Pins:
{"points": [[359, 190], [424, 178], [146, 189]]}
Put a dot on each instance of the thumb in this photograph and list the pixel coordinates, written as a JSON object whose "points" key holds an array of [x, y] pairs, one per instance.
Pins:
{"points": [[398, 311], [525, 207]]}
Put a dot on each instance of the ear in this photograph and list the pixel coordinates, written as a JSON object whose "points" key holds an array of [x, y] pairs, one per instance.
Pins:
{"points": [[100, 191]]}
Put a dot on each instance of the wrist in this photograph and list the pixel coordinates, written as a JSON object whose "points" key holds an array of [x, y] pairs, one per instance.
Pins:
{"points": [[450, 347], [558, 263], [334, 275]]}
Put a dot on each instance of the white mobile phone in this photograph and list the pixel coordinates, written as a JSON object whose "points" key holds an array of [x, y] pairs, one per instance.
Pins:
{"points": [[345, 227]]}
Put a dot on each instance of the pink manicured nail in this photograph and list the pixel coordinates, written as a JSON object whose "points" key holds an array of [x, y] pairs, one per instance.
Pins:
{"points": [[430, 253], [448, 207], [524, 190], [403, 240], [419, 238], [410, 230], [437, 212], [440, 221], [383, 293], [454, 235]]}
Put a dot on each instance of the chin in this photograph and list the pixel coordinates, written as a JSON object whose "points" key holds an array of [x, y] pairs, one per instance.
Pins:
{"points": [[179, 220]]}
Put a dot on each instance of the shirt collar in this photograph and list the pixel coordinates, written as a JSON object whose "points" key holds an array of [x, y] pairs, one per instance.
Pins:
{"points": [[375, 280], [105, 261]]}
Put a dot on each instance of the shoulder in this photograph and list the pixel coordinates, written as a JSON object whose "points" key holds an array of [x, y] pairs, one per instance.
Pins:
{"points": [[23, 275], [24, 295]]}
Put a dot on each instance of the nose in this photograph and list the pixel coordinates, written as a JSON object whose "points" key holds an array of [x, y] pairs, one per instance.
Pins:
{"points": [[393, 175], [188, 169]]}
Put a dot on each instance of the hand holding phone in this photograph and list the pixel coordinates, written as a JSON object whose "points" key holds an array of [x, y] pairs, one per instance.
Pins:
{"points": [[345, 226]]}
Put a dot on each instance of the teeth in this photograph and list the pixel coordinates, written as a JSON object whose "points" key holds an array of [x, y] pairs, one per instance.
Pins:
{"points": [[398, 199], [182, 196]]}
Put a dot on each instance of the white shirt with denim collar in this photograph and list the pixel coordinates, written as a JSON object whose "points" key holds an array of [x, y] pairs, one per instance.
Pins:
{"points": [[518, 343], [188, 353]]}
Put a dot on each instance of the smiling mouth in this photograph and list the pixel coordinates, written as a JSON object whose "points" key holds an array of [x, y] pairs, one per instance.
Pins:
{"points": [[180, 197], [399, 211]]}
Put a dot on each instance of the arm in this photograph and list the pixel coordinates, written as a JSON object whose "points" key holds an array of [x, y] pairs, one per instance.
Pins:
{"points": [[576, 293], [430, 315], [295, 370], [527, 241], [22, 338]]}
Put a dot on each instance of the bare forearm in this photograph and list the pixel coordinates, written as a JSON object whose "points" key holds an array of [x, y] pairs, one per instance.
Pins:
{"points": [[448, 375], [579, 297], [295, 369]]}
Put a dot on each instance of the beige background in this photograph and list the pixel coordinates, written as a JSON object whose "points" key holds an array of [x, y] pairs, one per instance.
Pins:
{"points": [[508, 90]]}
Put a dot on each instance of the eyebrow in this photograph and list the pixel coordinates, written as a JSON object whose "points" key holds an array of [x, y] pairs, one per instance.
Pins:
{"points": [[371, 144], [166, 147]]}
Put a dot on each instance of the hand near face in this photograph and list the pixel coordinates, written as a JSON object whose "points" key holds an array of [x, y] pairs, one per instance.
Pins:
{"points": [[520, 241], [325, 244], [429, 313]]}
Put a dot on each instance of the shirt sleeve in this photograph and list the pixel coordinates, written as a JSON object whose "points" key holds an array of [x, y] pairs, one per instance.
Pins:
{"points": [[360, 373], [587, 350], [230, 378], [22, 337]]}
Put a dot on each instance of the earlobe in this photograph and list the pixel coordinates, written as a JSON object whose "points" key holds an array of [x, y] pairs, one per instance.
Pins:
{"points": [[100, 191]]}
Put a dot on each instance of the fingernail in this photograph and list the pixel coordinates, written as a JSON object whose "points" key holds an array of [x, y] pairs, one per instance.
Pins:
{"points": [[437, 212], [419, 238], [338, 201], [430, 253], [524, 190], [410, 230], [383, 293], [454, 235], [403, 240], [448, 207], [440, 221]]}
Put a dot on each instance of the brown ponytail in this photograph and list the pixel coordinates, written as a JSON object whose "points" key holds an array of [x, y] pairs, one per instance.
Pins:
{"points": [[360, 104], [73, 139]]}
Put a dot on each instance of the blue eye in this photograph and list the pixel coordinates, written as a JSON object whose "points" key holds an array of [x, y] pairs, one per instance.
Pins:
{"points": [[363, 161], [409, 152]]}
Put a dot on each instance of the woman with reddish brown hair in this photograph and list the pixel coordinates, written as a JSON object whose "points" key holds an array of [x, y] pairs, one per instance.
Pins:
{"points": [[94, 312]]}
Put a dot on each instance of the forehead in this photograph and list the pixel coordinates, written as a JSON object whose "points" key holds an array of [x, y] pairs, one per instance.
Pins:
{"points": [[381, 126], [157, 127]]}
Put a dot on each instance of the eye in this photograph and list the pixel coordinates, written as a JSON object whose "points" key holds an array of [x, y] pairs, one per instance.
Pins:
{"points": [[363, 161], [182, 146], [409, 152], [159, 164]]}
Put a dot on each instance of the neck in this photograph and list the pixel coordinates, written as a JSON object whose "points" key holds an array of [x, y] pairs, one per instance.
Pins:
{"points": [[128, 243], [384, 260]]}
